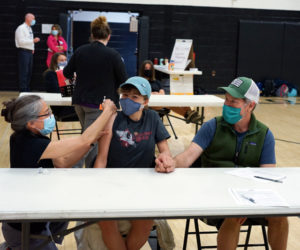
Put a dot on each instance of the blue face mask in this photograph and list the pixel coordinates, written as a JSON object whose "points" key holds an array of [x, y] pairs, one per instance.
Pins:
{"points": [[129, 107], [62, 64], [32, 22], [49, 124], [231, 114], [54, 32]]}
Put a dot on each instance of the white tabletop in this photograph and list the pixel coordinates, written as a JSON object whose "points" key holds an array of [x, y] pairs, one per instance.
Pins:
{"points": [[177, 72], [54, 99], [28, 194], [155, 100], [185, 101]]}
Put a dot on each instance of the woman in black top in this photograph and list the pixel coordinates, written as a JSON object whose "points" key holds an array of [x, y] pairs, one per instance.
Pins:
{"points": [[58, 61], [147, 71], [31, 121], [99, 72]]}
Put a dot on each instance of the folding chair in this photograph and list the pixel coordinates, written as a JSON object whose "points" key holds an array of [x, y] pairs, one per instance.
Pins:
{"points": [[65, 114], [165, 112], [198, 233], [212, 222]]}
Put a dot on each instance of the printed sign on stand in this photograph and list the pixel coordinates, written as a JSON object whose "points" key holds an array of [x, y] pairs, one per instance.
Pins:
{"points": [[182, 54]]}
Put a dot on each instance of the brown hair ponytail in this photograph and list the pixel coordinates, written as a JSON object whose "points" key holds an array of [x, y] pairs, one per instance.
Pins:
{"points": [[100, 28]]}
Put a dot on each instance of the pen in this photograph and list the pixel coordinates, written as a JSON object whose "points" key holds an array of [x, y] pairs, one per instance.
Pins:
{"points": [[247, 198], [268, 179]]}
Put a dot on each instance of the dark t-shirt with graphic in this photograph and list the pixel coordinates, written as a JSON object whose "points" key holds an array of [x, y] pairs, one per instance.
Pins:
{"points": [[133, 143]]}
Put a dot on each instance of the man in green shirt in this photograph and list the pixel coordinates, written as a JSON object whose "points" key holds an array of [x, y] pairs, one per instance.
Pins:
{"points": [[235, 139]]}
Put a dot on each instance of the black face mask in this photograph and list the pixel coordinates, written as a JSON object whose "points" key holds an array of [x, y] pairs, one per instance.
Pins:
{"points": [[148, 73]]}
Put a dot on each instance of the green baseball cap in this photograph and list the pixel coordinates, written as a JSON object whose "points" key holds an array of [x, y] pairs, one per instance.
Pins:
{"points": [[140, 83], [243, 87]]}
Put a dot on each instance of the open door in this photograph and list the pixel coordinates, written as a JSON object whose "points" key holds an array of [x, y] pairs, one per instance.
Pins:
{"points": [[123, 40]]}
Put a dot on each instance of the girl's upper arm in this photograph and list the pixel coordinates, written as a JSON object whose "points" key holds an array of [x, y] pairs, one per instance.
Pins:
{"points": [[103, 145]]}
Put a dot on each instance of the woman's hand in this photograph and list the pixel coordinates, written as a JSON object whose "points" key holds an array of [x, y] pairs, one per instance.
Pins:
{"points": [[109, 105]]}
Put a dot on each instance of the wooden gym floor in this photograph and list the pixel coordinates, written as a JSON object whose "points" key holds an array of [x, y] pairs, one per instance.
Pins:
{"points": [[281, 115]]}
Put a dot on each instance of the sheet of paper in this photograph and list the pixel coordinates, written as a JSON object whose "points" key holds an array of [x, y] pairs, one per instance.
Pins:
{"points": [[180, 53], [46, 28], [257, 174], [258, 197]]}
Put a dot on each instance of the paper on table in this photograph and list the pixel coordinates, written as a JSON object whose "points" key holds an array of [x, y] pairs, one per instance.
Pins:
{"points": [[258, 197], [250, 173]]}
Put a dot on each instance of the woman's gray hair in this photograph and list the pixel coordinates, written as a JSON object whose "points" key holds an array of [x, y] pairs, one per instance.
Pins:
{"points": [[22, 110]]}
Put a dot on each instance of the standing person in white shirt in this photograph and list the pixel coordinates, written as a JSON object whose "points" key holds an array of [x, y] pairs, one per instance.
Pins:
{"points": [[25, 44]]}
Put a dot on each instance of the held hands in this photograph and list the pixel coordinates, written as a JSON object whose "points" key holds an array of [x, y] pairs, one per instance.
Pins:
{"points": [[164, 163], [109, 105]]}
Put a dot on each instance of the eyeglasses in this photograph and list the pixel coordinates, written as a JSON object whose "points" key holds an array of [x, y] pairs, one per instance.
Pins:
{"points": [[47, 114]]}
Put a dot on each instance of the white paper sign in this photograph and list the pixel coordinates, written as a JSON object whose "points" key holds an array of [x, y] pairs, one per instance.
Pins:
{"points": [[181, 52], [46, 28], [133, 26]]}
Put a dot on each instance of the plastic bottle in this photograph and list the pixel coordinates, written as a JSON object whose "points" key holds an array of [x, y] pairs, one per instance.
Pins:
{"points": [[161, 61], [171, 65]]}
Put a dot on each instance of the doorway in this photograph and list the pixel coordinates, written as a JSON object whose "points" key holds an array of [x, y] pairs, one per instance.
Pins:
{"points": [[122, 39]]}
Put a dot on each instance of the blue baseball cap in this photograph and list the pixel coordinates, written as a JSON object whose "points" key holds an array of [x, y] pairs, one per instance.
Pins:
{"points": [[140, 83]]}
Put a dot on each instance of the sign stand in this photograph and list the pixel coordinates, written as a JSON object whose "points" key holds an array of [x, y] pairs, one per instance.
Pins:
{"points": [[181, 80]]}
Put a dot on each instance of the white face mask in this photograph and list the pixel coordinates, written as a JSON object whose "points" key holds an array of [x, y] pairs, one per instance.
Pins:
{"points": [[61, 65], [54, 32]]}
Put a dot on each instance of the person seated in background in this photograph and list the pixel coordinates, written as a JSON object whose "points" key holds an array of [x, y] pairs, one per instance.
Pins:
{"points": [[55, 42], [148, 72], [130, 143], [31, 120], [58, 62], [235, 139]]}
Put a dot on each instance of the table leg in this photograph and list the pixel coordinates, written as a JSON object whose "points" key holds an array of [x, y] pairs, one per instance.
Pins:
{"points": [[25, 235]]}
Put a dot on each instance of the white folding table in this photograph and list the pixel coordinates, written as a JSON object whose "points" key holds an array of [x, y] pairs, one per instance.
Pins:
{"points": [[29, 195], [155, 101], [56, 99]]}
